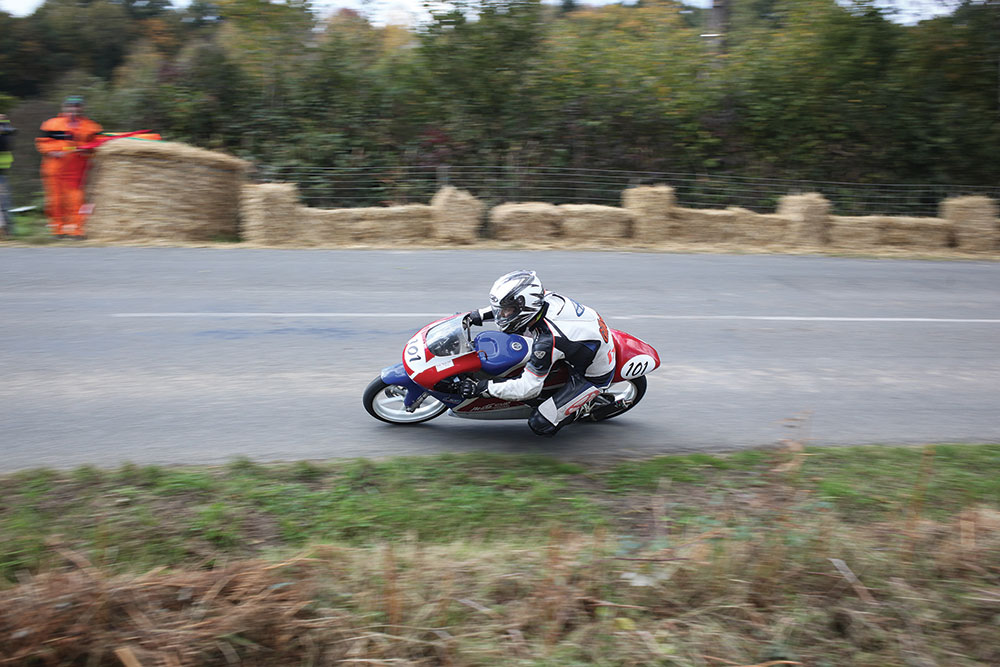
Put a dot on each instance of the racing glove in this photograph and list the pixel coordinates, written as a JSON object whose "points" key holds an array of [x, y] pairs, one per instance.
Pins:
{"points": [[474, 317], [470, 388]]}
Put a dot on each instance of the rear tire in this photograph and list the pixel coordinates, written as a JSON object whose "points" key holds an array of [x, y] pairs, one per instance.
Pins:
{"points": [[627, 395], [385, 403]]}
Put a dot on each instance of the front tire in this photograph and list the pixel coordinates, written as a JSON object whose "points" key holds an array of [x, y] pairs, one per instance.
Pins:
{"points": [[385, 403], [627, 395]]}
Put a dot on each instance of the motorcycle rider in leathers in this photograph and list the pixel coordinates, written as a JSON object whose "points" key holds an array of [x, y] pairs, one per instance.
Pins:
{"points": [[560, 329]]}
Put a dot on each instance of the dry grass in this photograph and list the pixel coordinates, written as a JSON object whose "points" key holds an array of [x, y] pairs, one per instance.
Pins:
{"points": [[800, 588], [79, 616], [764, 574]]}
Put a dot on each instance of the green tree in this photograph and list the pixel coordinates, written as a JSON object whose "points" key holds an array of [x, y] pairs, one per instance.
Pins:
{"points": [[478, 59]]}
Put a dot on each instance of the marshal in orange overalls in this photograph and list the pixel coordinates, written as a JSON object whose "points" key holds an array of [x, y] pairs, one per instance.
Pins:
{"points": [[64, 166]]}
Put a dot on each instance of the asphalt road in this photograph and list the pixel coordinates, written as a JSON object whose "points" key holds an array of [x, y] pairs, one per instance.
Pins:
{"points": [[179, 355]]}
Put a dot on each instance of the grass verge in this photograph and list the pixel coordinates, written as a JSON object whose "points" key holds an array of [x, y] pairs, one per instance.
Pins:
{"points": [[862, 556]]}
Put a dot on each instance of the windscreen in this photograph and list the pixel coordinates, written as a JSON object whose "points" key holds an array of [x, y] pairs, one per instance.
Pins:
{"points": [[447, 338]]}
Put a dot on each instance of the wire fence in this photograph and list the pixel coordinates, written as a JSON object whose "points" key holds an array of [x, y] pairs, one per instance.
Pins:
{"points": [[336, 187]]}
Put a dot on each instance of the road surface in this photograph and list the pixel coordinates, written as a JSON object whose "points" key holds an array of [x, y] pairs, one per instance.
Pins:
{"points": [[187, 355]]}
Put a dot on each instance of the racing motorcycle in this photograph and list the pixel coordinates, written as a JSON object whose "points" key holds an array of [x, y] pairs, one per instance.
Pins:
{"points": [[426, 383]]}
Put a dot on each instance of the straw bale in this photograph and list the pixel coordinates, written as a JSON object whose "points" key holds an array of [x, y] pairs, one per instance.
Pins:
{"points": [[652, 209], [870, 232], [928, 233], [809, 217], [171, 151], [164, 190], [854, 232], [326, 226], [757, 229], [366, 225], [590, 221], [974, 221], [457, 215], [529, 221], [703, 225], [394, 223], [270, 213]]}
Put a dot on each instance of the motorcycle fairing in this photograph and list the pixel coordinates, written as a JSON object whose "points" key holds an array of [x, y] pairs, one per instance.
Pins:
{"points": [[438, 351], [635, 356], [396, 375]]}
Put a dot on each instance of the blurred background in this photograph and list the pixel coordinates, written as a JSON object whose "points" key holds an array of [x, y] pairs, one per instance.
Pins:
{"points": [[885, 107]]}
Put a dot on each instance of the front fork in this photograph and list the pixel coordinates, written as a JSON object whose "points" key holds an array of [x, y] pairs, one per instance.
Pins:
{"points": [[396, 376]]}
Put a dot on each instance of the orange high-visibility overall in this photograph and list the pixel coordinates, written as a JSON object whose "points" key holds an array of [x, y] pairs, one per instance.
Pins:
{"points": [[63, 176]]}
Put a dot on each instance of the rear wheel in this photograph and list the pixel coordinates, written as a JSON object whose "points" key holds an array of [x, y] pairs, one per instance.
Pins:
{"points": [[385, 403], [618, 399]]}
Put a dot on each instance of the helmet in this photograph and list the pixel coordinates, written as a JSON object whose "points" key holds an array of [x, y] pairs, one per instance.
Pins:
{"points": [[516, 299]]}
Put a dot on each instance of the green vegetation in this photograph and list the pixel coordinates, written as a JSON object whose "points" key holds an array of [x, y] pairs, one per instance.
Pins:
{"points": [[862, 556], [155, 515], [31, 226], [806, 89]]}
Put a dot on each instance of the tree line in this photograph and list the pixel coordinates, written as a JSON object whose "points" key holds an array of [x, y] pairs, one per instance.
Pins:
{"points": [[807, 89]]}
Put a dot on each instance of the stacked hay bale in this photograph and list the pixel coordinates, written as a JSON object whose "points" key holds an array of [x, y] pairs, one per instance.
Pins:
{"points": [[809, 218], [974, 222], [854, 232], [325, 226], [379, 225], [164, 190], [530, 221], [756, 229], [457, 215], [652, 209], [916, 233], [270, 213], [698, 225], [589, 222], [874, 231]]}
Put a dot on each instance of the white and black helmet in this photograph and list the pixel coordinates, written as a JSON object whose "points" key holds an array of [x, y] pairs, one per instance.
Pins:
{"points": [[516, 299]]}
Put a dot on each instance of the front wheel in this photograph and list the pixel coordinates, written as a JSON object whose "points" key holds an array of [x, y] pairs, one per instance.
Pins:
{"points": [[619, 398], [385, 403]]}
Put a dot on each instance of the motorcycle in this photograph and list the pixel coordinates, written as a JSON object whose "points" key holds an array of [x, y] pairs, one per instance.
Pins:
{"points": [[426, 383]]}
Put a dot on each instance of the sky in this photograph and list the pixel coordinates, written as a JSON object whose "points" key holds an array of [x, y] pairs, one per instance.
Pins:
{"points": [[405, 11]]}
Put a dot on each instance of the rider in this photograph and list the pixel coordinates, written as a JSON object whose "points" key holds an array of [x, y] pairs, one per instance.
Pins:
{"points": [[560, 328]]}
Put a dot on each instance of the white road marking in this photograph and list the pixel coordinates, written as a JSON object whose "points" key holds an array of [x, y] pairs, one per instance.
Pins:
{"points": [[291, 315], [614, 318], [797, 318]]}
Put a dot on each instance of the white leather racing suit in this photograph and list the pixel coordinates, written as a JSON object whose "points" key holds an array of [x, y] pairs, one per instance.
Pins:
{"points": [[567, 331]]}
